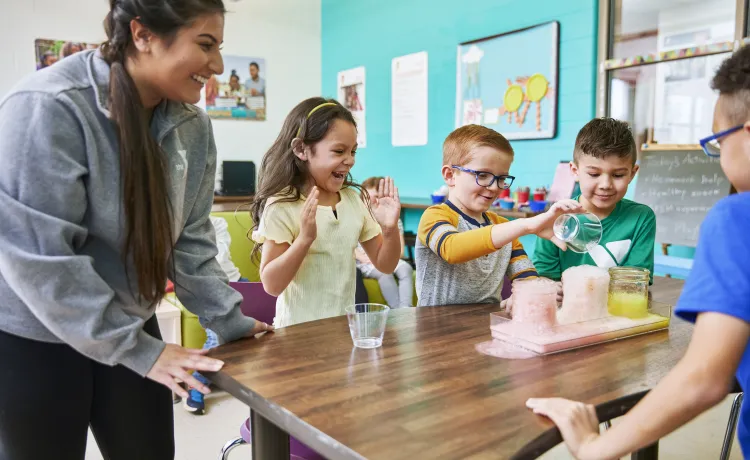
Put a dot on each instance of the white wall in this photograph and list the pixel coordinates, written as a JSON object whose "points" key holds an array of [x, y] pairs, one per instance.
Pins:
{"points": [[286, 33], [22, 22]]}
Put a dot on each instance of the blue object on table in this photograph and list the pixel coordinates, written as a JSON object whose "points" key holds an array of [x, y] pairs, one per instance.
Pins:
{"points": [[672, 265], [507, 204], [537, 206], [437, 199]]}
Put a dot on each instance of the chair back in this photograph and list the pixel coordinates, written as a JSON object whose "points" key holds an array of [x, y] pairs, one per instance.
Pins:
{"points": [[256, 302]]}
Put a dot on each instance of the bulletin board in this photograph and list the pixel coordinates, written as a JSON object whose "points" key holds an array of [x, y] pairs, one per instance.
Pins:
{"points": [[509, 83]]}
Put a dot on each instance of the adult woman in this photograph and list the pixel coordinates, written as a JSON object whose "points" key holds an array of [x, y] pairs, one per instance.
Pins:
{"points": [[105, 193]]}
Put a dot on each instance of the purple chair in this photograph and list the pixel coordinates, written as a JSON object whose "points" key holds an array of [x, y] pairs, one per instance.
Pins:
{"points": [[257, 303], [506, 291]]}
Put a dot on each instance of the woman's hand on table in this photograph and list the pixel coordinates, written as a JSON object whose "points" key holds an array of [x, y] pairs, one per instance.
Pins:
{"points": [[576, 421], [259, 327], [177, 363]]}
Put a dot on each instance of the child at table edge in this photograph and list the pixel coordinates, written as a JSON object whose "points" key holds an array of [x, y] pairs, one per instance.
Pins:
{"points": [[716, 297]]}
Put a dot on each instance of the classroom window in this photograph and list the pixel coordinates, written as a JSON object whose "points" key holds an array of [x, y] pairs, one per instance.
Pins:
{"points": [[657, 58], [641, 27]]}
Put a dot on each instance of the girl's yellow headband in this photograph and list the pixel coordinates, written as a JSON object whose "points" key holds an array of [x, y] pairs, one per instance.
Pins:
{"points": [[325, 104]]}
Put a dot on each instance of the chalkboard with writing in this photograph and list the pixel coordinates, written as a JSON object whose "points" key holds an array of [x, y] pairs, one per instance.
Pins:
{"points": [[680, 186]]}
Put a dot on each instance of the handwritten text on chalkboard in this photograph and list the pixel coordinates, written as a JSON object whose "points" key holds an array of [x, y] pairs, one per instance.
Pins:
{"points": [[680, 186]]}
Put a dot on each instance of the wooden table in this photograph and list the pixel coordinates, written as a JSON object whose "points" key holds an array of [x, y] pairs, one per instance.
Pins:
{"points": [[426, 393]]}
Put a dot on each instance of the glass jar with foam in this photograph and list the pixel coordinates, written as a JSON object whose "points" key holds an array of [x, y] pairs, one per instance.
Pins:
{"points": [[585, 291], [535, 303]]}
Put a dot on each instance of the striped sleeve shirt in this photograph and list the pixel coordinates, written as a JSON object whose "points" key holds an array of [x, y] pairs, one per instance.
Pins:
{"points": [[457, 262]]}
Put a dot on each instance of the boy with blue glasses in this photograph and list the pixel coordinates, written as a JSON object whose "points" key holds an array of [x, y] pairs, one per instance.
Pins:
{"points": [[463, 250], [716, 297]]}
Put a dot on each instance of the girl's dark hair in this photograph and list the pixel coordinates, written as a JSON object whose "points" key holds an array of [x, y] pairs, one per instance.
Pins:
{"points": [[143, 168], [281, 171]]}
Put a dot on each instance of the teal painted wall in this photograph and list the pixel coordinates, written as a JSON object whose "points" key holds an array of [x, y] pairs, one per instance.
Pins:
{"points": [[372, 32]]}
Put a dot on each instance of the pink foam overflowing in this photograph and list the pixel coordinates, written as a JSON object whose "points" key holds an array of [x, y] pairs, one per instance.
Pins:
{"points": [[505, 350], [535, 304], [569, 336], [585, 290]]}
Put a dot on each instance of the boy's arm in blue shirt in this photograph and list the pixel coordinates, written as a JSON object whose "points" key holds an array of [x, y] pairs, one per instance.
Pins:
{"points": [[717, 297]]}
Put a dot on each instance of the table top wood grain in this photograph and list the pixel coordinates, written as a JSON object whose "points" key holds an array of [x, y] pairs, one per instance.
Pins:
{"points": [[426, 393]]}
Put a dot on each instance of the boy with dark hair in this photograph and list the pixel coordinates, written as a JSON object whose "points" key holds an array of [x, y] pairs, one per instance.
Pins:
{"points": [[604, 165]]}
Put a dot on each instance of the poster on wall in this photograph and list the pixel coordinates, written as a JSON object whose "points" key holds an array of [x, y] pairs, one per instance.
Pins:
{"points": [[409, 100], [351, 93], [50, 51], [239, 93], [508, 82]]}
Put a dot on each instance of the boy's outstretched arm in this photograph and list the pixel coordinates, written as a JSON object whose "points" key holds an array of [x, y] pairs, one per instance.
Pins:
{"points": [[437, 230]]}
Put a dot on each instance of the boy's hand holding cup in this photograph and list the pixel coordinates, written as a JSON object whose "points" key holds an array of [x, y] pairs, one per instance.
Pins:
{"points": [[541, 225]]}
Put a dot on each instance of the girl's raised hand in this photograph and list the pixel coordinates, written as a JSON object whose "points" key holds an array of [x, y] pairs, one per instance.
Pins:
{"points": [[308, 229], [387, 206]]}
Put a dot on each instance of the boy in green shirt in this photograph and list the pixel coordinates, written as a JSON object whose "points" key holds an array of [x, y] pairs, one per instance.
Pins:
{"points": [[604, 165]]}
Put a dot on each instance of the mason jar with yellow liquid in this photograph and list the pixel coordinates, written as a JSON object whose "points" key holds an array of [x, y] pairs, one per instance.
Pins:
{"points": [[628, 292]]}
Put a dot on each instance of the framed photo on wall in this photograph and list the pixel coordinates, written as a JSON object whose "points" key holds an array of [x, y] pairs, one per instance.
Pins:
{"points": [[509, 82], [50, 51], [239, 93]]}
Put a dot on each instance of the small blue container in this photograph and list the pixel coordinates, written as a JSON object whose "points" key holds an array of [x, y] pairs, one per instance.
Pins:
{"points": [[507, 205], [537, 206], [437, 199]]}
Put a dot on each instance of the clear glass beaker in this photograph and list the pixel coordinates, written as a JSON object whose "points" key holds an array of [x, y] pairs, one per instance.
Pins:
{"points": [[580, 232]]}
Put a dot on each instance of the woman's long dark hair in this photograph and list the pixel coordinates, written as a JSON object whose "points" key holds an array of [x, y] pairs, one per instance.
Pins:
{"points": [[281, 171], [143, 167]]}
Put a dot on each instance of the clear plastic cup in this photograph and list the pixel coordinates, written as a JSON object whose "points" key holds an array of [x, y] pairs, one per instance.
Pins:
{"points": [[581, 232], [367, 324]]}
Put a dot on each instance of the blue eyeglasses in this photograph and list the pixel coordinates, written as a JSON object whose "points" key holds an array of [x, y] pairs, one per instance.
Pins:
{"points": [[710, 144], [486, 179]]}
